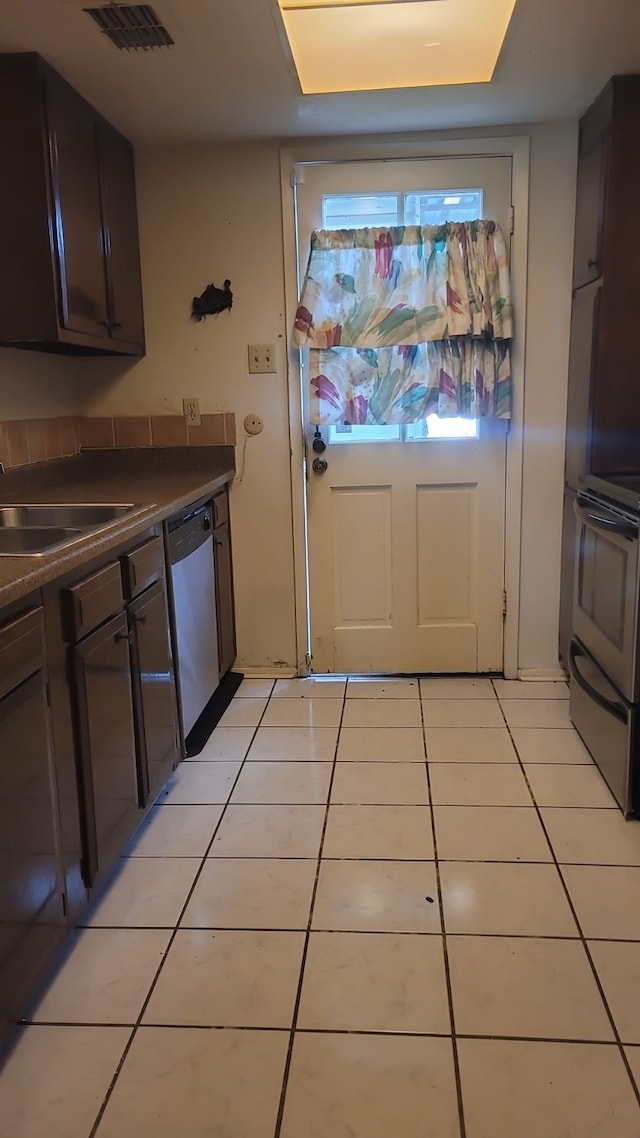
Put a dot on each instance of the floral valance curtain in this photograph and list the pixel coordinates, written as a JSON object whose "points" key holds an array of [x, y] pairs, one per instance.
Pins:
{"points": [[404, 322]]}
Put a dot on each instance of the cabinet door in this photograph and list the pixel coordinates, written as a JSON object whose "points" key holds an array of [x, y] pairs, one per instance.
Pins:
{"points": [[118, 190], [225, 608], [590, 208], [583, 352], [106, 743], [155, 691], [77, 211], [31, 914]]}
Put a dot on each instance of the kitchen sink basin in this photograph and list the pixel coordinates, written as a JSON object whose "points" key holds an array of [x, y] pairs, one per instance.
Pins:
{"points": [[67, 515], [15, 542], [33, 530]]}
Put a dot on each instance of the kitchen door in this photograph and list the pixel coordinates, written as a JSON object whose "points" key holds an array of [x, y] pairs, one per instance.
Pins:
{"points": [[405, 526]]}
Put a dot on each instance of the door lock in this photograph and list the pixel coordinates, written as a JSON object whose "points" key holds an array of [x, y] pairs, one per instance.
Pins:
{"points": [[319, 465], [318, 443]]}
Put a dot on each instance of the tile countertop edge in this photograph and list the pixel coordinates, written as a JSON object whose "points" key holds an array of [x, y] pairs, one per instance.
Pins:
{"points": [[22, 575]]}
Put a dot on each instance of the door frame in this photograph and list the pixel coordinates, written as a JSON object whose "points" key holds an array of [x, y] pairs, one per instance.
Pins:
{"points": [[517, 148]]}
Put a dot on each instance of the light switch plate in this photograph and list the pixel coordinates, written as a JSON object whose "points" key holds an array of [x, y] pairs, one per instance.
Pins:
{"points": [[262, 359]]}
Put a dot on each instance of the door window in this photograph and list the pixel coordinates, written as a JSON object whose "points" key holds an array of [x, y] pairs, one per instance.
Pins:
{"points": [[421, 207]]}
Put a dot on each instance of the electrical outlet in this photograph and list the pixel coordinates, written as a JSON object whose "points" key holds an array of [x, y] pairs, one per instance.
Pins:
{"points": [[191, 411], [262, 359], [253, 424]]}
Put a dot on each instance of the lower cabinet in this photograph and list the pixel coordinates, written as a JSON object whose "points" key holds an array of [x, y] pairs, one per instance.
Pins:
{"points": [[154, 690], [31, 909], [89, 735], [106, 743]]}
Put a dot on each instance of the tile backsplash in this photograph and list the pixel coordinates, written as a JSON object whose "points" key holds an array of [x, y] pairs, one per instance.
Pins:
{"points": [[26, 441]]}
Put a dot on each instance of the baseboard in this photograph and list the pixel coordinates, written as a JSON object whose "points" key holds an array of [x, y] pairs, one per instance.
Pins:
{"points": [[272, 672], [542, 674]]}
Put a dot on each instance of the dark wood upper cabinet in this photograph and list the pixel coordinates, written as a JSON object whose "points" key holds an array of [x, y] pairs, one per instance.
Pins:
{"points": [[120, 221], [68, 227], [590, 202], [603, 420]]}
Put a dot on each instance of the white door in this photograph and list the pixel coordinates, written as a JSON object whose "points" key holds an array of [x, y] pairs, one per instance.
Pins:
{"points": [[406, 526]]}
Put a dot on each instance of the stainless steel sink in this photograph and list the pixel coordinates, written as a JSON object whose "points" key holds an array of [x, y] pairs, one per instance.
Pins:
{"points": [[80, 516], [35, 529], [16, 542]]}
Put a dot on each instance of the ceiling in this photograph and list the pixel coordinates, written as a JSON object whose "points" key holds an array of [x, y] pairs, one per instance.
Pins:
{"points": [[230, 75]]}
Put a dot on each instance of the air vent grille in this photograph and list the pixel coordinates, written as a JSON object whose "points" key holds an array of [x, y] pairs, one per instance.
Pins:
{"points": [[131, 27]]}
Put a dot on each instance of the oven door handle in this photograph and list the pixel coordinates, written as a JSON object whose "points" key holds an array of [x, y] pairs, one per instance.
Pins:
{"points": [[613, 707], [625, 527]]}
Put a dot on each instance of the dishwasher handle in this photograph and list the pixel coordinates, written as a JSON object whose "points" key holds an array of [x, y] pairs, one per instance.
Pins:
{"points": [[612, 707]]}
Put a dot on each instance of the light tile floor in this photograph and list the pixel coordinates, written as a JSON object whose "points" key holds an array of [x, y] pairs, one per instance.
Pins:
{"points": [[387, 908]]}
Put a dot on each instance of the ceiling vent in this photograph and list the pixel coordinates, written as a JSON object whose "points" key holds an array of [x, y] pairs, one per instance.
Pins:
{"points": [[131, 27]]}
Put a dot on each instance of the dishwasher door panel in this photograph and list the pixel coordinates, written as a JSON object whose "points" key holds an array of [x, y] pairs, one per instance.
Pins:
{"points": [[194, 602]]}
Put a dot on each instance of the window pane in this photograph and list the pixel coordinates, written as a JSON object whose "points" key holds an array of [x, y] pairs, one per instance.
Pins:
{"points": [[434, 208], [355, 211], [433, 427], [359, 434]]}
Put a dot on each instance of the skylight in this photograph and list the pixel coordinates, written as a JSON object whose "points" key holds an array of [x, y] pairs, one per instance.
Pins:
{"points": [[367, 45]]}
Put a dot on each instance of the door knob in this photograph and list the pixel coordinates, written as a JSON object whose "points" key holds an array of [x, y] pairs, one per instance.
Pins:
{"points": [[319, 465]]}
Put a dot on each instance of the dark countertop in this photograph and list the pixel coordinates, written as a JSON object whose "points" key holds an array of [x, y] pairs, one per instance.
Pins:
{"points": [[165, 480]]}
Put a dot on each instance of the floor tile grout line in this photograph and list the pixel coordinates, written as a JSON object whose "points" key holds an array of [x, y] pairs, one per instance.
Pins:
{"points": [[305, 950], [365, 932], [582, 937], [138, 1023], [341, 1031], [445, 951]]}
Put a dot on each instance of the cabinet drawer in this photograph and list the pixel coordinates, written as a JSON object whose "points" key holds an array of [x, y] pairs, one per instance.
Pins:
{"points": [[142, 566], [22, 649], [220, 509], [92, 601]]}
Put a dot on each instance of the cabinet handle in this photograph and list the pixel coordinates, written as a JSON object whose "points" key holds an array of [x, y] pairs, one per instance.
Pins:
{"points": [[122, 636], [592, 262], [139, 618], [103, 323], [219, 541], [116, 324]]}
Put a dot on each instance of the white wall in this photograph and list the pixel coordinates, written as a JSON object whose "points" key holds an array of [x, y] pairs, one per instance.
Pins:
{"points": [[551, 217], [208, 213], [36, 386]]}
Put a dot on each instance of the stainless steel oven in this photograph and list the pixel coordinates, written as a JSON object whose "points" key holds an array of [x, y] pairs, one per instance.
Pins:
{"points": [[605, 615]]}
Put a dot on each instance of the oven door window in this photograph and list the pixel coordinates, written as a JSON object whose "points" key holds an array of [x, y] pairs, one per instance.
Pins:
{"points": [[603, 573], [605, 609]]}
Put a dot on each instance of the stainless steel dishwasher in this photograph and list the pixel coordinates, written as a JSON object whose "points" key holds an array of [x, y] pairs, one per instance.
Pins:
{"points": [[191, 554]]}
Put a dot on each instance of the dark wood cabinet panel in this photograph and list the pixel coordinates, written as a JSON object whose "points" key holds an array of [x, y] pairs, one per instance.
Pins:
{"points": [[582, 362], [155, 705], [106, 743], [225, 604], [68, 227], [77, 213], [31, 910], [118, 196], [590, 206]]}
